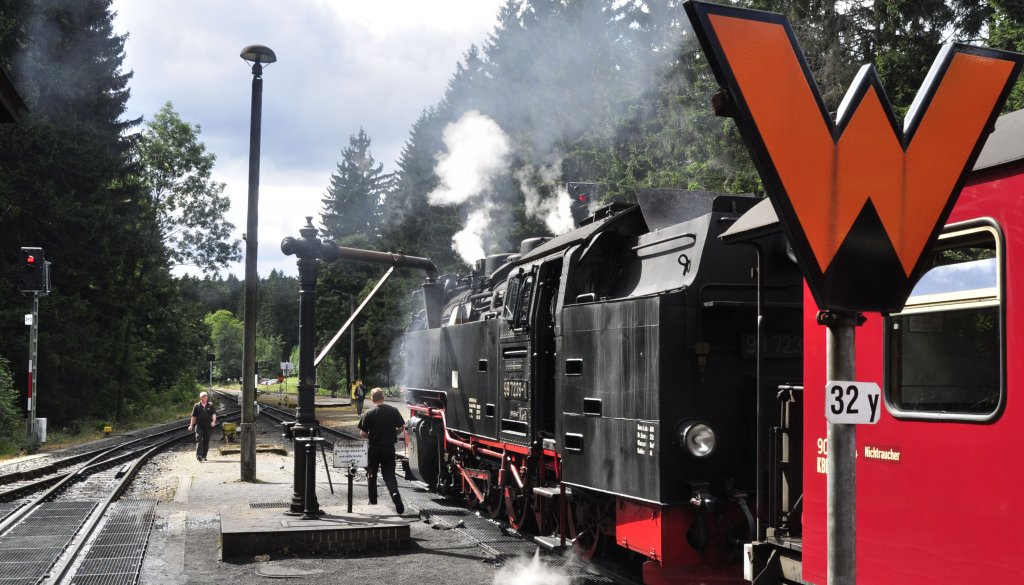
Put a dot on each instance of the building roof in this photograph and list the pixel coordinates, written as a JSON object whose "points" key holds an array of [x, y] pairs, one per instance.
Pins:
{"points": [[1005, 144]]}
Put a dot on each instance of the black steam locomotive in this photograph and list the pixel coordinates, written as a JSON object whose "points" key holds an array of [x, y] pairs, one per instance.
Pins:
{"points": [[601, 387]]}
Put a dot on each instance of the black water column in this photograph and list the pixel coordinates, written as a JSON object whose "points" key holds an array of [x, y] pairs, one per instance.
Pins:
{"points": [[308, 250]]}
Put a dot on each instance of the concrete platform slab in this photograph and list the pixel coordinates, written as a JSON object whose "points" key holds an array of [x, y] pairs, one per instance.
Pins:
{"points": [[248, 533]]}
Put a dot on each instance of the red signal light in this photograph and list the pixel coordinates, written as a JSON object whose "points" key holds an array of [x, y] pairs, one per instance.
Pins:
{"points": [[30, 260], [582, 198]]}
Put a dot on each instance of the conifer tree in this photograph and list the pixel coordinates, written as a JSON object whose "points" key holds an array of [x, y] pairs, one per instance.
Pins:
{"points": [[353, 201]]}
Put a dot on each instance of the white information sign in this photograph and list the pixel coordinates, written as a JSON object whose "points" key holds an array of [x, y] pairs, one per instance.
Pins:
{"points": [[28, 319], [852, 403], [347, 453]]}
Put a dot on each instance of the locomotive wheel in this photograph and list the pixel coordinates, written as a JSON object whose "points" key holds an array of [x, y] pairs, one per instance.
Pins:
{"points": [[517, 507], [494, 505], [585, 528]]}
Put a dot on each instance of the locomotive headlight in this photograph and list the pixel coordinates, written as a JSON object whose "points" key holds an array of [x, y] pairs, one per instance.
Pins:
{"points": [[697, 438]]}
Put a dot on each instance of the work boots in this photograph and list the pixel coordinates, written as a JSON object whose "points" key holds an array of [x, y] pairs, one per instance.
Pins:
{"points": [[397, 499]]}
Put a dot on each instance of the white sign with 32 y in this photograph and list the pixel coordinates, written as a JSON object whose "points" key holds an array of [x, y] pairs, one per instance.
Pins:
{"points": [[852, 402]]}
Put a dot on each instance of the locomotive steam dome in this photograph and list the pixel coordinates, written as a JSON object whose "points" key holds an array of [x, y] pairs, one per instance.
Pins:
{"points": [[492, 262], [529, 244]]}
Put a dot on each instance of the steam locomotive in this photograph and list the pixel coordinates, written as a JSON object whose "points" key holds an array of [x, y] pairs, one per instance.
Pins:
{"points": [[635, 388], [601, 387]]}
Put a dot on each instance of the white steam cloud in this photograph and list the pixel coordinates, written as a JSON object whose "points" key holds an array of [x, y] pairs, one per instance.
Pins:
{"points": [[469, 241], [534, 572], [477, 153], [553, 209]]}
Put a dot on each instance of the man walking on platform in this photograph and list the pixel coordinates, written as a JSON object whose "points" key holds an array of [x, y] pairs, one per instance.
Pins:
{"points": [[204, 417], [381, 426]]}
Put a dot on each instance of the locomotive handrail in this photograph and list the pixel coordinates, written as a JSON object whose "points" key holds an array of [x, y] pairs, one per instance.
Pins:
{"points": [[474, 449]]}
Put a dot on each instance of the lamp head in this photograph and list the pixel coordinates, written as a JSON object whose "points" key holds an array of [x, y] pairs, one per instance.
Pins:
{"points": [[258, 55]]}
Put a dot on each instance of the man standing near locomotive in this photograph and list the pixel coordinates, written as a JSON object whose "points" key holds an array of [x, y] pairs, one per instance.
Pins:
{"points": [[204, 417], [381, 426]]}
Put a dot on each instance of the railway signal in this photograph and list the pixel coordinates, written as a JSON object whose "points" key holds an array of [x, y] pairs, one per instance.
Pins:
{"points": [[34, 275], [582, 196], [34, 279]]}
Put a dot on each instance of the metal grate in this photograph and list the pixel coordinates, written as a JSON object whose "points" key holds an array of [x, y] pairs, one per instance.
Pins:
{"points": [[268, 505], [29, 549], [115, 556], [7, 507]]}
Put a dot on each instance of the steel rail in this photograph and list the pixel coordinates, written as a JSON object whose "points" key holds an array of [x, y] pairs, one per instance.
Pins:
{"points": [[97, 463], [70, 556]]}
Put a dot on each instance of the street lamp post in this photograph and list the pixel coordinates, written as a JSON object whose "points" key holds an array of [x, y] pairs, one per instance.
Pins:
{"points": [[258, 55]]}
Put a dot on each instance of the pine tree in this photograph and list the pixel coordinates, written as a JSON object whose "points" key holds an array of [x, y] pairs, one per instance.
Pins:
{"points": [[357, 190]]}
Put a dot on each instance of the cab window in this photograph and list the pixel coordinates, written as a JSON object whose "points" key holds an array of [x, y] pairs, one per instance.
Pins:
{"points": [[945, 351]]}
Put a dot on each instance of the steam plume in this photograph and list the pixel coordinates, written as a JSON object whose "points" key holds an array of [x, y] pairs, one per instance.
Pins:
{"points": [[477, 152], [553, 209], [534, 572]]}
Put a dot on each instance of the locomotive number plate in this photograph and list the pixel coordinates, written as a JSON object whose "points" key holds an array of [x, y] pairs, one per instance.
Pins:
{"points": [[853, 403]]}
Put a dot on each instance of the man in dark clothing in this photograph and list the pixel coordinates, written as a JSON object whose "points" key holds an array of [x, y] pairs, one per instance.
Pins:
{"points": [[381, 426], [204, 417], [358, 394]]}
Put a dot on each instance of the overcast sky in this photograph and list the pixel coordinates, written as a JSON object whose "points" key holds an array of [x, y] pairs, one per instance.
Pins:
{"points": [[342, 65]]}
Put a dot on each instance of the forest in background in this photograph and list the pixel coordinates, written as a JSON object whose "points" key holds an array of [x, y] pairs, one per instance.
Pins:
{"points": [[612, 92]]}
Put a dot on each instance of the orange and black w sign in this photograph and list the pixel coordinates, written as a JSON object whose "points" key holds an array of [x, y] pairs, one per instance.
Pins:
{"points": [[860, 198]]}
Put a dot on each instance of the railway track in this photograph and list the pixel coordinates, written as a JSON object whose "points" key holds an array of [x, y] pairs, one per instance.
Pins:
{"points": [[61, 521]]}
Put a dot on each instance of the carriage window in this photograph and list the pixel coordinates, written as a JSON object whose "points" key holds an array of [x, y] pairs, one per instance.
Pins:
{"points": [[945, 350]]}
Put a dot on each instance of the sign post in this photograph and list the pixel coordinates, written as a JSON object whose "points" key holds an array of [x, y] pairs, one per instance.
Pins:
{"points": [[859, 198], [33, 373]]}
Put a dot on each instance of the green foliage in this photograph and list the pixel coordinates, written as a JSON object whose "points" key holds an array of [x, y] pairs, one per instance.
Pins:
{"points": [[11, 421], [176, 169], [226, 343]]}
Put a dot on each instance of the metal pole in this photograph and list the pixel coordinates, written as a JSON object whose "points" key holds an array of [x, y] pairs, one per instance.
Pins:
{"points": [[312, 507], [842, 452], [33, 375], [351, 483], [247, 435], [351, 346]]}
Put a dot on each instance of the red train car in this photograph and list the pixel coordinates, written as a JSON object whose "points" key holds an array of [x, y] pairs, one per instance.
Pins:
{"points": [[937, 500]]}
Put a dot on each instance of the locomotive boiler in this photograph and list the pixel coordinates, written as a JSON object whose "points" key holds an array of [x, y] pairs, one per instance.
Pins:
{"points": [[601, 387]]}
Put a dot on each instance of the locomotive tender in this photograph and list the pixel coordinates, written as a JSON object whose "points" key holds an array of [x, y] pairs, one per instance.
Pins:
{"points": [[601, 387]]}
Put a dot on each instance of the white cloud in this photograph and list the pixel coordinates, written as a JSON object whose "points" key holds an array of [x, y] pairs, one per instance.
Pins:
{"points": [[341, 66]]}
